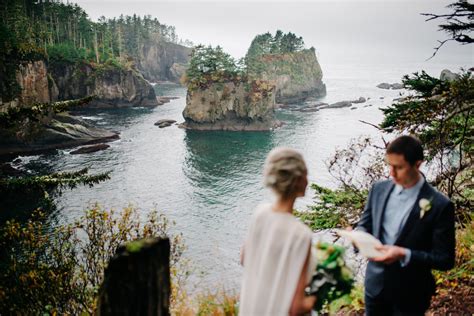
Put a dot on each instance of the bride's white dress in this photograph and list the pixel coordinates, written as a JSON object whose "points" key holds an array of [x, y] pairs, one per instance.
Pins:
{"points": [[274, 254]]}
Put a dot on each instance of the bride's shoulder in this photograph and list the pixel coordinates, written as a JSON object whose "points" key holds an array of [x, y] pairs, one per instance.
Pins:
{"points": [[263, 207], [302, 229], [260, 210]]}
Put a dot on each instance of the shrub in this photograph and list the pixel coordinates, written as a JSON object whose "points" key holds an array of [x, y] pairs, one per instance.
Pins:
{"points": [[464, 267], [355, 169], [217, 303], [60, 270], [333, 208], [66, 53]]}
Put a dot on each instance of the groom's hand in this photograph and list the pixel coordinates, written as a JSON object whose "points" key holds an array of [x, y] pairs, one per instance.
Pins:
{"points": [[390, 254]]}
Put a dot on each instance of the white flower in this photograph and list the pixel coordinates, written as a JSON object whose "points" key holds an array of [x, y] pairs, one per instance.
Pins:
{"points": [[425, 206]]}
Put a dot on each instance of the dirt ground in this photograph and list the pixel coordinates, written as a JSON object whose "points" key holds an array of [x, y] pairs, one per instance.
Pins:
{"points": [[454, 301]]}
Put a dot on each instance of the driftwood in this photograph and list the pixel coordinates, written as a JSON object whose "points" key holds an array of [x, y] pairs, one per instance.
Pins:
{"points": [[137, 280]]}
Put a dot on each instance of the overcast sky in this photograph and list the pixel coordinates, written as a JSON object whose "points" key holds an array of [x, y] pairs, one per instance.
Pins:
{"points": [[344, 30]]}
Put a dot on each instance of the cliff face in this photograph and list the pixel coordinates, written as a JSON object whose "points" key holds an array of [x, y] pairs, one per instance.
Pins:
{"points": [[38, 85], [231, 106], [296, 76], [35, 83], [113, 86], [163, 61]]}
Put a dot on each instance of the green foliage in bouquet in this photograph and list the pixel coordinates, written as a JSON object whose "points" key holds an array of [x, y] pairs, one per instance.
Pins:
{"points": [[332, 278]]}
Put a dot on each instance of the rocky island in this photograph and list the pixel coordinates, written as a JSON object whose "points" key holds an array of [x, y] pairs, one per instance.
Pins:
{"points": [[224, 94], [241, 106], [221, 96], [282, 60]]}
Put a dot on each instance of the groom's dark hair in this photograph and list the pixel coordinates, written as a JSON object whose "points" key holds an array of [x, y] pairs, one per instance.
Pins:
{"points": [[408, 146]]}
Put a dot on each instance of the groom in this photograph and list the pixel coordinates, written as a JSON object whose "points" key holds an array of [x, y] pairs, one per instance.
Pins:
{"points": [[415, 223]]}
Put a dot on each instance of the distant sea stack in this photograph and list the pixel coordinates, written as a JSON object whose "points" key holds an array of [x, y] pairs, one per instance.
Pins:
{"points": [[283, 60], [297, 76], [232, 106]]}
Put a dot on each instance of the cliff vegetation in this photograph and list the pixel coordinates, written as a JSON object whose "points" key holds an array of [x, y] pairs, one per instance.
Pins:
{"points": [[283, 60], [60, 33]]}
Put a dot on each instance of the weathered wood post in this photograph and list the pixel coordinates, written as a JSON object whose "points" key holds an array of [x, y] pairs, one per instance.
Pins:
{"points": [[137, 280]]}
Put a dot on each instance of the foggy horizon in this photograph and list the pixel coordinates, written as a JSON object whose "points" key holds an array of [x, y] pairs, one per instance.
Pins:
{"points": [[374, 32]]}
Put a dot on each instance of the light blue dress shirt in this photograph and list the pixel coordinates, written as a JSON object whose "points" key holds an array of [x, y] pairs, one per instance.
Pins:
{"points": [[398, 208]]}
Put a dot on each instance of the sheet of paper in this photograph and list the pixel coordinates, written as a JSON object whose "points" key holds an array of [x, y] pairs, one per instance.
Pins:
{"points": [[362, 240]]}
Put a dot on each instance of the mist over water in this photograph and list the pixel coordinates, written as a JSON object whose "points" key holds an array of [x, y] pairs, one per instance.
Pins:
{"points": [[210, 182], [342, 31]]}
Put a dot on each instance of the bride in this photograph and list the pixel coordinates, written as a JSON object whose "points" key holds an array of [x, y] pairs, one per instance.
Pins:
{"points": [[277, 252]]}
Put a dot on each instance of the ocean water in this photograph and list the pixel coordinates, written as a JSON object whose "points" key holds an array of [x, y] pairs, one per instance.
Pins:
{"points": [[210, 182]]}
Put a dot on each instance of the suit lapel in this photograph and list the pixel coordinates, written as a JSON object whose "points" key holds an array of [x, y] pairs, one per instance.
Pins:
{"points": [[414, 216], [384, 199]]}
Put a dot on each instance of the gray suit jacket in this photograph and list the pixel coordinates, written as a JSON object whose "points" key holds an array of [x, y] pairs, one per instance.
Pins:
{"points": [[431, 240]]}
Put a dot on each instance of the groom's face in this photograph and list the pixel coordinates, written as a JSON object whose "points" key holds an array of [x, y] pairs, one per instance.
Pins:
{"points": [[401, 171]]}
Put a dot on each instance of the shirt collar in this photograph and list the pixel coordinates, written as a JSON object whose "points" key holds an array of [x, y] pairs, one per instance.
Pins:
{"points": [[416, 188]]}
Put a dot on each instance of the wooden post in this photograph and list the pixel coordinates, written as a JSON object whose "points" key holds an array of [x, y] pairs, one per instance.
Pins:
{"points": [[137, 280]]}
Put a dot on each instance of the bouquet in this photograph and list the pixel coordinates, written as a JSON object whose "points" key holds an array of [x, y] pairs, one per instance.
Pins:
{"points": [[331, 278]]}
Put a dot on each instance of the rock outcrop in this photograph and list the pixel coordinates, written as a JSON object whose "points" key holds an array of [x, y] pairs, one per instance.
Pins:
{"points": [[297, 76], [35, 83], [89, 149], [338, 105], [51, 131], [360, 100], [113, 86], [393, 86], [62, 131], [164, 123], [448, 75], [234, 106], [163, 61]]}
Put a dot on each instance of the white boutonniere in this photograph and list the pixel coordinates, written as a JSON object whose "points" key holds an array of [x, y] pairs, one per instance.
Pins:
{"points": [[425, 206]]}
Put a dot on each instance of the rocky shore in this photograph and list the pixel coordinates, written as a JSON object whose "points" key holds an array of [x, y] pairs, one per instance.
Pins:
{"points": [[63, 131]]}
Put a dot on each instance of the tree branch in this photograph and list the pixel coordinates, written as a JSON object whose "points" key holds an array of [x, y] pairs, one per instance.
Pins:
{"points": [[373, 125]]}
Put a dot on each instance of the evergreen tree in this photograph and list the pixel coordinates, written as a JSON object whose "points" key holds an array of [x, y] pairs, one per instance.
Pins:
{"points": [[458, 23], [208, 65]]}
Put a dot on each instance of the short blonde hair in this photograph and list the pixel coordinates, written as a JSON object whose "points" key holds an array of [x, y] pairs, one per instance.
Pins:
{"points": [[283, 167]]}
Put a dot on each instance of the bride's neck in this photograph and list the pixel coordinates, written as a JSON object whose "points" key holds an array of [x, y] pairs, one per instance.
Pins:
{"points": [[284, 205]]}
